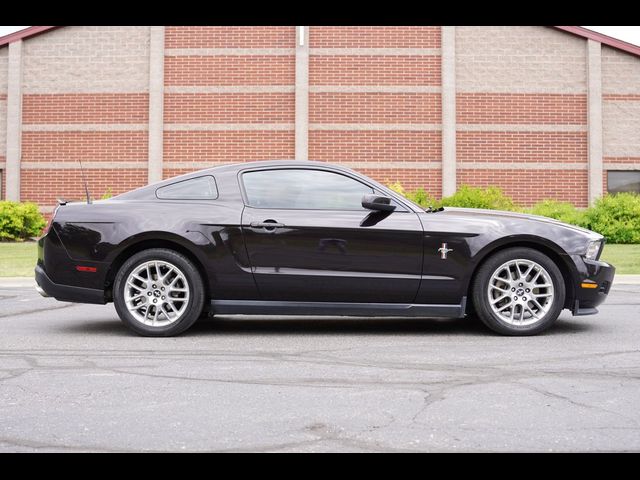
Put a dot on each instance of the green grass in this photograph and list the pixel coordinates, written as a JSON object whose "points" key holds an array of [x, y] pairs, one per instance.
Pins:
{"points": [[626, 258], [19, 259]]}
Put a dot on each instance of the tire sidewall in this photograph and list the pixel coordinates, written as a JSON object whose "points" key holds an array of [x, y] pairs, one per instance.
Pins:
{"points": [[483, 278], [196, 292]]}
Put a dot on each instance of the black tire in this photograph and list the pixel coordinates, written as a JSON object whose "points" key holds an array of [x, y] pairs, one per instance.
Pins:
{"points": [[480, 296], [195, 303]]}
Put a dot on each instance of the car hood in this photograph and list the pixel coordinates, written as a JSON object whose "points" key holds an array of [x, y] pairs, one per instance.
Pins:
{"points": [[502, 214]]}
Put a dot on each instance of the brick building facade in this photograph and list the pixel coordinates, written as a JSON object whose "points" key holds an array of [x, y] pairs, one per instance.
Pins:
{"points": [[543, 112]]}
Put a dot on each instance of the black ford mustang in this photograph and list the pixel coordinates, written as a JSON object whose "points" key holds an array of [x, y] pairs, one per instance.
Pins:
{"points": [[308, 238]]}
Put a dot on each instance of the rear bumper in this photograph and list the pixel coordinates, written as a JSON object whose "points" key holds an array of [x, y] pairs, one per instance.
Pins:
{"points": [[66, 293], [592, 272]]}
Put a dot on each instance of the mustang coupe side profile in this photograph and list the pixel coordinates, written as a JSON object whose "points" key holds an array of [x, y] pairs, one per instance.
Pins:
{"points": [[310, 238]]}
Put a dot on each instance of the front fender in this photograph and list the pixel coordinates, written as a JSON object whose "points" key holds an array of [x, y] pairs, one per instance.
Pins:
{"points": [[562, 259], [483, 251]]}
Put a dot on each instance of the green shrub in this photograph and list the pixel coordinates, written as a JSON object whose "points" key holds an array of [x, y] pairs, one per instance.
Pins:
{"points": [[563, 211], [420, 196], [20, 221], [107, 194], [398, 188], [472, 197], [616, 216], [469, 197]]}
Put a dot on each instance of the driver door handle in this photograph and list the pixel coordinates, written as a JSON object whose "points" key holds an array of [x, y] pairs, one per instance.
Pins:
{"points": [[266, 224]]}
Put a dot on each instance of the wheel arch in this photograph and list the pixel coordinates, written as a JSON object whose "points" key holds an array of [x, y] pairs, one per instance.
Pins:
{"points": [[546, 247], [168, 241]]}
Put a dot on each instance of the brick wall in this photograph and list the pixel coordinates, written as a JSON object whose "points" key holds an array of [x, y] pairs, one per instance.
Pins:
{"points": [[374, 108], [524, 59], [370, 146], [3, 70], [524, 184], [222, 70], [84, 98], [230, 37], [521, 103], [92, 146], [621, 111], [374, 37], [44, 185], [620, 72], [375, 101], [87, 60], [621, 132], [3, 116], [522, 147], [3, 127], [226, 146], [70, 108], [521, 108], [375, 104], [221, 85], [247, 108]]}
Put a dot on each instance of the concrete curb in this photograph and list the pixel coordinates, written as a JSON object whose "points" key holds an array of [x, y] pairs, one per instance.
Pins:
{"points": [[7, 282], [626, 280], [17, 282]]}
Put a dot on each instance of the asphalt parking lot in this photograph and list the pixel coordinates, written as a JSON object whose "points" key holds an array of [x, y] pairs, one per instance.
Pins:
{"points": [[72, 378]]}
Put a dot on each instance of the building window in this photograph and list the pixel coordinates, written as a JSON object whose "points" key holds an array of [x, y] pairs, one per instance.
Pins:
{"points": [[623, 181]]}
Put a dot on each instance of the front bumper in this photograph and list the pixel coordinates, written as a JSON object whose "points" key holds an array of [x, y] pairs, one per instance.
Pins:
{"points": [[592, 272], [66, 293]]}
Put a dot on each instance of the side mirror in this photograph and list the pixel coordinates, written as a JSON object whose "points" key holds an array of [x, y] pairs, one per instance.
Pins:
{"points": [[377, 202]]}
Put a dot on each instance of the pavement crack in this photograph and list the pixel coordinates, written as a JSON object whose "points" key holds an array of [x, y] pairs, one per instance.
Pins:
{"points": [[569, 400], [38, 310]]}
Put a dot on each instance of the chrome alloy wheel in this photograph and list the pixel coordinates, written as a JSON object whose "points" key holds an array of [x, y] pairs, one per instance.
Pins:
{"points": [[520, 292], [156, 293]]}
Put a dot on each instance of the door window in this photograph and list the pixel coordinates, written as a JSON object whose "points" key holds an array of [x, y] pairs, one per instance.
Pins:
{"points": [[303, 189]]}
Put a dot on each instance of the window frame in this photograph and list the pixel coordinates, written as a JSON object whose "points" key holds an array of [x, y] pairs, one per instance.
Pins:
{"points": [[401, 206], [637, 171], [193, 199]]}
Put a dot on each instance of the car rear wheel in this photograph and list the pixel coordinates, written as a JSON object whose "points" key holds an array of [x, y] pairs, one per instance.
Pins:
{"points": [[518, 291], [159, 293]]}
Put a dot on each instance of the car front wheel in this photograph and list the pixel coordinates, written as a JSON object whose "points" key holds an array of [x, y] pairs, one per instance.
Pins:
{"points": [[519, 291], [158, 292]]}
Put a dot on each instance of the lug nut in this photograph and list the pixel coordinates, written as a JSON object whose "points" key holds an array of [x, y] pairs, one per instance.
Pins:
{"points": [[515, 298], [513, 290], [518, 285], [155, 300], [524, 298], [154, 285], [149, 293], [162, 289], [163, 297], [527, 290]]}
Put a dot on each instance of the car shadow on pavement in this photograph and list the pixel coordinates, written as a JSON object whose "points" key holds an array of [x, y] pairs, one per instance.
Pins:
{"points": [[298, 325], [228, 325]]}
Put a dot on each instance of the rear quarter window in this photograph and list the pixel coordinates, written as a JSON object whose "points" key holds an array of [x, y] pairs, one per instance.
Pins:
{"points": [[199, 188]]}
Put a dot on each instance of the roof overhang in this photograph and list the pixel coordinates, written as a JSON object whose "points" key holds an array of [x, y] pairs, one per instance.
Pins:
{"points": [[579, 31], [602, 38], [24, 33]]}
